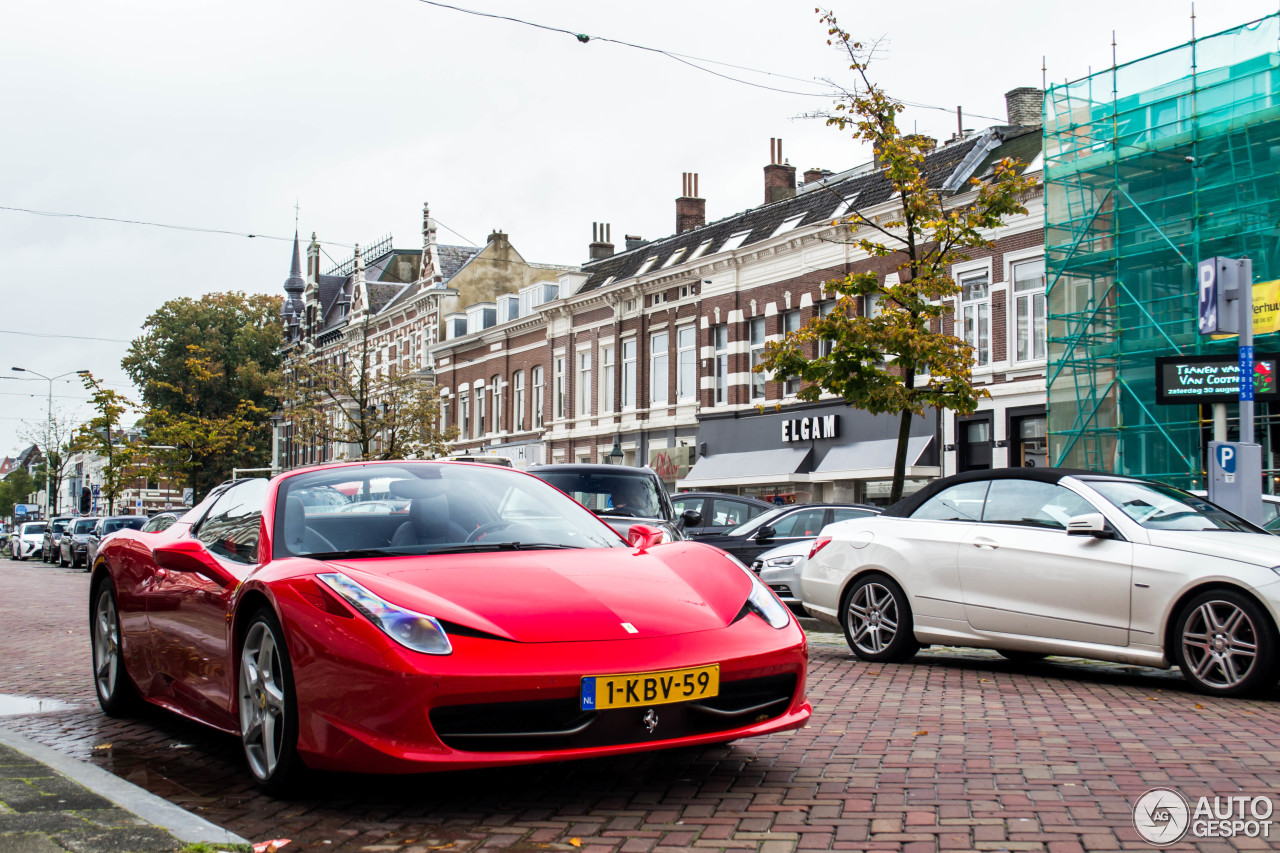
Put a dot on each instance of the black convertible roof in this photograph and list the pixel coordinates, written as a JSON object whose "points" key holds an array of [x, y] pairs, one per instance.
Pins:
{"points": [[911, 503]]}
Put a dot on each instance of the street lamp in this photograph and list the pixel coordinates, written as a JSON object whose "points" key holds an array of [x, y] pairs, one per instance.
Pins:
{"points": [[614, 457], [48, 496]]}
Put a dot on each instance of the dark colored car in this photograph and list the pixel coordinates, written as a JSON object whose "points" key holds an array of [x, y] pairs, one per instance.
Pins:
{"points": [[781, 526], [621, 495], [719, 511], [73, 548], [106, 526], [52, 535]]}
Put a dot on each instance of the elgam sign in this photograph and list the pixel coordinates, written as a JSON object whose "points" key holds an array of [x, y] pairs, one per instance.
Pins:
{"points": [[1212, 378], [804, 429]]}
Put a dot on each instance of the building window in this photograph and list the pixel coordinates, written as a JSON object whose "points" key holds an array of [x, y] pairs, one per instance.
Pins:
{"points": [[790, 325], [825, 309], [628, 374], [559, 388], [584, 383], [517, 400], [481, 394], [464, 415], [1028, 294], [975, 312], [539, 402], [757, 356], [444, 415], [720, 343], [496, 384], [606, 379], [658, 368], [687, 360]]}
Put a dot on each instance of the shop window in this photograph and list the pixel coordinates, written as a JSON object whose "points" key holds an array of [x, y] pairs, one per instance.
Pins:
{"points": [[1030, 445]]}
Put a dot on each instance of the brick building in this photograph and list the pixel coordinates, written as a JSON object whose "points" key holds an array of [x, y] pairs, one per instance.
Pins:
{"points": [[648, 350]]}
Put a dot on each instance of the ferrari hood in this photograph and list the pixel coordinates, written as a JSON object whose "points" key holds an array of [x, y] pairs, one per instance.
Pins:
{"points": [[566, 595]]}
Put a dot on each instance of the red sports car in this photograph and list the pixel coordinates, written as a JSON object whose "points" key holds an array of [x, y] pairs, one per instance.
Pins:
{"points": [[475, 616]]}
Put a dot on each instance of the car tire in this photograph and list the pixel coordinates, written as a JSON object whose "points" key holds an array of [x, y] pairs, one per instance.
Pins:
{"points": [[112, 684], [267, 705], [877, 620], [62, 561], [1020, 657], [1225, 644]]}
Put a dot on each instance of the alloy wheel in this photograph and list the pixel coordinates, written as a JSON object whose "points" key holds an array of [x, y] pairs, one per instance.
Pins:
{"points": [[106, 645], [1220, 644], [263, 704], [873, 617]]}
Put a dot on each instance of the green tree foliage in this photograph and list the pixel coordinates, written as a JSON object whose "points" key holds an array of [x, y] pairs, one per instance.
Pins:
{"points": [[897, 360], [103, 434], [209, 373], [367, 412], [14, 489]]}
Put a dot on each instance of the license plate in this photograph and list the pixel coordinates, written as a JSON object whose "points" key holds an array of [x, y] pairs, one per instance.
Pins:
{"points": [[650, 688]]}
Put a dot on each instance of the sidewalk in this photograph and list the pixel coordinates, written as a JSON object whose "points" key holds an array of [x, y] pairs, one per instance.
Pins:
{"points": [[50, 803]]}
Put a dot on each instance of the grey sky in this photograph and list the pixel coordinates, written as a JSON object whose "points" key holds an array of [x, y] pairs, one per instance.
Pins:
{"points": [[219, 113]]}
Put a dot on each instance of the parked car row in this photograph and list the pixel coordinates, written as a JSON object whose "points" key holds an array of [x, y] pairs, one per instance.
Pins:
{"points": [[74, 540]]}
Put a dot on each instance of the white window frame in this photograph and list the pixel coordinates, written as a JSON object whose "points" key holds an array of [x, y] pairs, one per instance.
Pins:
{"points": [[584, 383], [686, 363], [539, 396], [756, 333], [720, 350], [464, 415], [1038, 344], [608, 355], [659, 363], [517, 401], [629, 374], [974, 315], [825, 345], [496, 382], [558, 389], [482, 394], [791, 322]]}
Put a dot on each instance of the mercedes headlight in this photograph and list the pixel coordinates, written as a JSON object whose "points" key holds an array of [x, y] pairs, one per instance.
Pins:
{"points": [[762, 601], [412, 630]]}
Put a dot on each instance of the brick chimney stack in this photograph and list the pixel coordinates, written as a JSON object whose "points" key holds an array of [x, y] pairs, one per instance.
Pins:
{"points": [[815, 174], [600, 245], [691, 211], [779, 176], [1024, 106]]}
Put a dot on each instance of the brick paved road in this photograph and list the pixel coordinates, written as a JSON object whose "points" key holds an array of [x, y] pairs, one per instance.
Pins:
{"points": [[956, 751]]}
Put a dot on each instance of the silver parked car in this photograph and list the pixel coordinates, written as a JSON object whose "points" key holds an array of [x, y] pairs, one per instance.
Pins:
{"points": [[73, 547], [780, 570], [1036, 562]]}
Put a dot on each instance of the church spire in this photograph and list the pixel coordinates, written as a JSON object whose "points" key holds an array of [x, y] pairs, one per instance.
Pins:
{"points": [[294, 283]]}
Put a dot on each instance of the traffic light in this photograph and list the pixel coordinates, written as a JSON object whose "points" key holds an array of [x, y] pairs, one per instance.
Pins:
{"points": [[85, 499]]}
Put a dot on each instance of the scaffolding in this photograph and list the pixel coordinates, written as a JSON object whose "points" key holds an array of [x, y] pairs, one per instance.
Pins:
{"points": [[1149, 167]]}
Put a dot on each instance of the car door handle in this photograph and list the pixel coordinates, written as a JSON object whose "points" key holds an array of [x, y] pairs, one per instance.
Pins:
{"points": [[984, 543]]}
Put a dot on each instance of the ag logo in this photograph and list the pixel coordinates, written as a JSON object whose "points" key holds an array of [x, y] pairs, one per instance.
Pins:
{"points": [[1161, 816]]}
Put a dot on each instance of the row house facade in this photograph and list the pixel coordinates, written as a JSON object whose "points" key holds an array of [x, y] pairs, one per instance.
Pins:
{"points": [[648, 351], [394, 304]]}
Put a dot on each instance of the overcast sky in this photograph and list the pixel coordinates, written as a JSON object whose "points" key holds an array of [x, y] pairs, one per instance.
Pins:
{"points": [[220, 113]]}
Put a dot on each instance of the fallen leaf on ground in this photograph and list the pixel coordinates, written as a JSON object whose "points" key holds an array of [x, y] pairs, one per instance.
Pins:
{"points": [[103, 746], [923, 732], [576, 842], [270, 846], [1199, 707]]}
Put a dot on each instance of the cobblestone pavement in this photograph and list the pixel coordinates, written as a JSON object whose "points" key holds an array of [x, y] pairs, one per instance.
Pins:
{"points": [[957, 750]]}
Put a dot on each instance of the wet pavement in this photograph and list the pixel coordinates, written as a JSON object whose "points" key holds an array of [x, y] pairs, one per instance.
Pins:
{"points": [[956, 750]]}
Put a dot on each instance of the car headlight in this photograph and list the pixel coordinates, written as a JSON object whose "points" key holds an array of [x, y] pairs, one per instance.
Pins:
{"points": [[762, 601], [412, 630], [781, 562]]}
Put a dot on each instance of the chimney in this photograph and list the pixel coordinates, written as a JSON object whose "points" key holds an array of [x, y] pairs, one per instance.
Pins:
{"points": [[497, 237], [600, 245], [779, 176], [1024, 105], [691, 211], [814, 175], [634, 241]]}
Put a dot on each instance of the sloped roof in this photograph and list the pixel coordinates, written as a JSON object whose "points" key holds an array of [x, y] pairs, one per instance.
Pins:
{"points": [[454, 258], [816, 205]]}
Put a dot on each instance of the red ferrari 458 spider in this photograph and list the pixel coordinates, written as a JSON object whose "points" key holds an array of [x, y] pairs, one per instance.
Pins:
{"points": [[398, 617]]}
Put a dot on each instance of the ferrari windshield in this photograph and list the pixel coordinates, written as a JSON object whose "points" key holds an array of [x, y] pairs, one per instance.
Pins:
{"points": [[425, 508], [1160, 507]]}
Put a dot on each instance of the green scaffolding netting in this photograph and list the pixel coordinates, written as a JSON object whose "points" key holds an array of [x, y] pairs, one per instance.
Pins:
{"points": [[1149, 167]]}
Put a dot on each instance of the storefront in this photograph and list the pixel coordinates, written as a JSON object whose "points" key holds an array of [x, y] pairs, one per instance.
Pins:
{"points": [[804, 454]]}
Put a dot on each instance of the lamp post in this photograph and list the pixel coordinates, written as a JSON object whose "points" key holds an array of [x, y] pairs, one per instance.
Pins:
{"points": [[48, 497], [615, 456]]}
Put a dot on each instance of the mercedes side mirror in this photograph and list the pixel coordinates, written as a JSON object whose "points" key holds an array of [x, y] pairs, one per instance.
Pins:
{"points": [[1088, 524], [190, 555]]}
